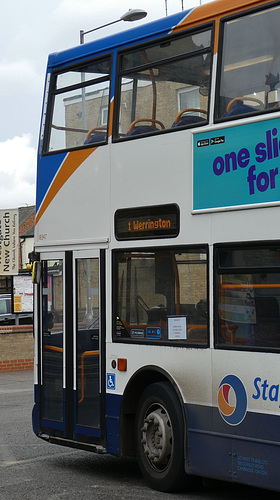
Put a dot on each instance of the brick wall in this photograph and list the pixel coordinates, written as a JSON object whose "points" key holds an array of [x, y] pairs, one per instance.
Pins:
{"points": [[28, 222], [16, 348]]}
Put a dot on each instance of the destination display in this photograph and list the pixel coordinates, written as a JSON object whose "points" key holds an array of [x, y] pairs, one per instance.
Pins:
{"points": [[161, 221]]}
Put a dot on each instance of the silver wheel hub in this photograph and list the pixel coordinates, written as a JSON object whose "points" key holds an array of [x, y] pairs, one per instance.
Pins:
{"points": [[157, 437]]}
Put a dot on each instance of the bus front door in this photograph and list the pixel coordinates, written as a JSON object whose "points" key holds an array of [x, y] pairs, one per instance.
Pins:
{"points": [[87, 380], [70, 346]]}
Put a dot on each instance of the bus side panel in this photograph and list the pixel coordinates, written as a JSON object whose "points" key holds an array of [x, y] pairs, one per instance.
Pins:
{"points": [[113, 404], [247, 454], [208, 455], [76, 192], [238, 439]]}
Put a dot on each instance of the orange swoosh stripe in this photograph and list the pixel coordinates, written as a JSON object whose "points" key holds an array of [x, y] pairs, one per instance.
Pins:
{"points": [[70, 165], [110, 128]]}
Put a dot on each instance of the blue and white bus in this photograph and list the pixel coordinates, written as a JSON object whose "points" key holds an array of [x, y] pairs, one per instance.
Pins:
{"points": [[157, 246]]}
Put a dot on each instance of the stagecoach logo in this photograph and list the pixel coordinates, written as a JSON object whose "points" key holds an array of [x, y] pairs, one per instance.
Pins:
{"points": [[232, 400]]}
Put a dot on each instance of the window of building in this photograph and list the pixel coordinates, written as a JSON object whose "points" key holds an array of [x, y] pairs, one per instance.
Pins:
{"points": [[189, 99], [104, 115], [80, 106], [248, 297], [155, 77], [250, 64], [161, 296], [5, 284]]}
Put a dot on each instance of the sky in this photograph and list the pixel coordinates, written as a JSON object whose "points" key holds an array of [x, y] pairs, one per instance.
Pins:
{"points": [[29, 32]]}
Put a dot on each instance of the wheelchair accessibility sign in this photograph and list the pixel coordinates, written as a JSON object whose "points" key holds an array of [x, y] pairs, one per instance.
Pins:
{"points": [[111, 381]]}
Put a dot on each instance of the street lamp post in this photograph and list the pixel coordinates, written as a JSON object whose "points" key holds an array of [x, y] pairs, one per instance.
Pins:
{"points": [[131, 15]]}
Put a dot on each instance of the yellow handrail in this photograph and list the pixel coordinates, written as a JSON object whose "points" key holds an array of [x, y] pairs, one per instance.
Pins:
{"points": [[86, 353]]}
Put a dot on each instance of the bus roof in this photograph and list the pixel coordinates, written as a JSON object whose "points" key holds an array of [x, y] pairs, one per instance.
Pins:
{"points": [[219, 8], [161, 27]]}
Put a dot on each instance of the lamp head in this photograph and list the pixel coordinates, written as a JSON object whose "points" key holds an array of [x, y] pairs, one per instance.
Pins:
{"points": [[133, 15]]}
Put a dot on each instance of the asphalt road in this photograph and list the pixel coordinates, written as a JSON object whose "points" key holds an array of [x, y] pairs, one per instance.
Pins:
{"points": [[33, 469]]}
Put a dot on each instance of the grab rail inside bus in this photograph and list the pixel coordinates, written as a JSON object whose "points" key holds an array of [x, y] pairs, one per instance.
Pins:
{"points": [[243, 286], [69, 129], [53, 348], [84, 355], [100, 133], [231, 329]]}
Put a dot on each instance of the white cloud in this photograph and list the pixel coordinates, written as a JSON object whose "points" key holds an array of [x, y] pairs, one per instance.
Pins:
{"points": [[19, 75], [73, 7], [17, 172], [20, 98]]}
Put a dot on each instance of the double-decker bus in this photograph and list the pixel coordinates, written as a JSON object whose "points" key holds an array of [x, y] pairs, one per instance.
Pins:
{"points": [[157, 246]]}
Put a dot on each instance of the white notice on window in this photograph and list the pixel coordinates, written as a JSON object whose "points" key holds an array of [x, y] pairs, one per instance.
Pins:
{"points": [[177, 328]]}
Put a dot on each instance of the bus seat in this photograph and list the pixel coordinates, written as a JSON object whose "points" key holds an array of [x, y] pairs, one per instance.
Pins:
{"points": [[267, 328], [241, 109], [96, 134], [267, 307], [156, 314], [237, 107], [142, 129], [188, 120], [96, 138]]}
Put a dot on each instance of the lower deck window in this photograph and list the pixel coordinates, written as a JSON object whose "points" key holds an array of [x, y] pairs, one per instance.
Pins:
{"points": [[161, 296], [248, 297]]}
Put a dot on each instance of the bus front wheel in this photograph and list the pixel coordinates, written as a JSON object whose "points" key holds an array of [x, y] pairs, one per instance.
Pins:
{"points": [[160, 437]]}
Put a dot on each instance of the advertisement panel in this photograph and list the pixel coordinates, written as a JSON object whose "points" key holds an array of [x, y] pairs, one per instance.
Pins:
{"points": [[9, 242], [238, 166], [23, 294]]}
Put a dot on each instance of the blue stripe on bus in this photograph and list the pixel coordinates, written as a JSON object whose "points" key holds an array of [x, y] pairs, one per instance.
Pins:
{"points": [[259, 426], [48, 167]]}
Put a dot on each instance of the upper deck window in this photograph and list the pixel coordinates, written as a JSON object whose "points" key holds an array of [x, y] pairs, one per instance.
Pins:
{"points": [[250, 64], [161, 83], [80, 106]]}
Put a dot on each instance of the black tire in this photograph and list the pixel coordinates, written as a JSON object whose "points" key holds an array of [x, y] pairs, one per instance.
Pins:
{"points": [[160, 438]]}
